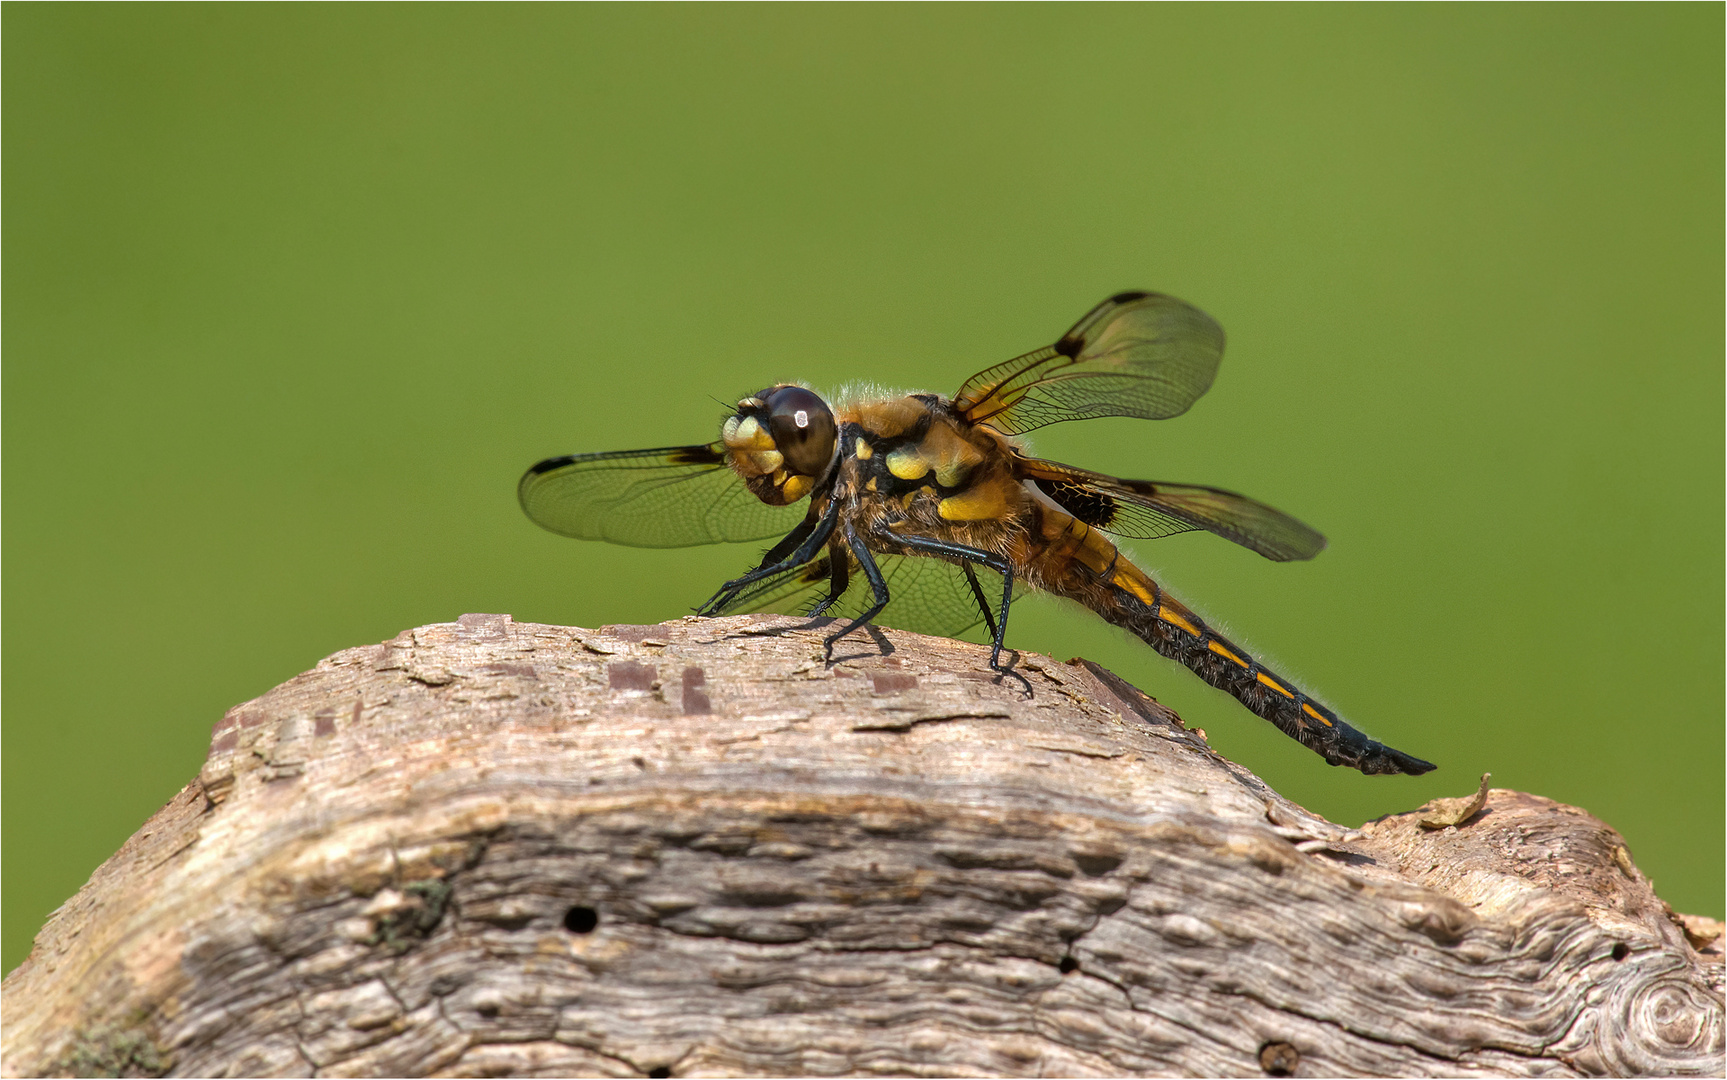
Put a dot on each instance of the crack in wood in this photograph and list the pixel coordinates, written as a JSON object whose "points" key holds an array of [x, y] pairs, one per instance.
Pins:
{"points": [[906, 723]]}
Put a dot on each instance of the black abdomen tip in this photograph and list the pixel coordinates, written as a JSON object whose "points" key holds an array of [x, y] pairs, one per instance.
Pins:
{"points": [[1384, 760]]}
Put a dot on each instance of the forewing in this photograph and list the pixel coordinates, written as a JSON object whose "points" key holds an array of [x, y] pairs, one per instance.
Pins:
{"points": [[926, 595], [1136, 354], [1148, 509], [675, 496]]}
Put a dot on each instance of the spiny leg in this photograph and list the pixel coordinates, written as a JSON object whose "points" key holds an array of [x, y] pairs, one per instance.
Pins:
{"points": [[790, 541], [878, 588], [839, 580], [977, 595], [968, 555], [805, 551], [783, 547]]}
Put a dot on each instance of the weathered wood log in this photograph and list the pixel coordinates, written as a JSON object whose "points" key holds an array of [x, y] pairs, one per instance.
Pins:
{"points": [[493, 848]]}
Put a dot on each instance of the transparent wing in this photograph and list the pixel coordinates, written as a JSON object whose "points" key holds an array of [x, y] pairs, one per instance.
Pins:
{"points": [[1148, 509], [926, 595], [674, 496], [1136, 354]]}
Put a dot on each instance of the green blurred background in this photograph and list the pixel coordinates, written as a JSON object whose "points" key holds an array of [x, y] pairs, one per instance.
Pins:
{"points": [[294, 293]]}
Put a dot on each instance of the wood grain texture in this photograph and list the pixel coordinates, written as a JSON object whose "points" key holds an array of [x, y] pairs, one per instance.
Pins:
{"points": [[489, 848]]}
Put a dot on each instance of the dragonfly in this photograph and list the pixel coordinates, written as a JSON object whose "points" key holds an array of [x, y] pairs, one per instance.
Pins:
{"points": [[929, 512]]}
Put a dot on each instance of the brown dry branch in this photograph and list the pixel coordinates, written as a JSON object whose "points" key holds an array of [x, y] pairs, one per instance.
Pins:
{"points": [[492, 848]]}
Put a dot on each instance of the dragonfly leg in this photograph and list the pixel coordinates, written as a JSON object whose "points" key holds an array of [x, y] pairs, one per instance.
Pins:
{"points": [[789, 542], [977, 595], [968, 555], [839, 579], [878, 587], [811, 542]]}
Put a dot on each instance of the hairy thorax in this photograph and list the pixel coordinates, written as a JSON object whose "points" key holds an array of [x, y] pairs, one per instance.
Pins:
{"points": [[909, 466]]}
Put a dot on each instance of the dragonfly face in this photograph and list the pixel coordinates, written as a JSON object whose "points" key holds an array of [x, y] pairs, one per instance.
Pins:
{"points": [[781, 441], [929, 510]]}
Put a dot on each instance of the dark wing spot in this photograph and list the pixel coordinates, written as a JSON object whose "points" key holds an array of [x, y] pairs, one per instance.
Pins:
{"points": [[1069, 346], [1129, 296], [691, 455], [1085, 503]]}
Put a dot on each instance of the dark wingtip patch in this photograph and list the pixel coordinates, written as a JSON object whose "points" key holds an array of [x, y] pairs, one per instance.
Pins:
{"points": [[1129, 296], [1069, 346], [549, 464]]}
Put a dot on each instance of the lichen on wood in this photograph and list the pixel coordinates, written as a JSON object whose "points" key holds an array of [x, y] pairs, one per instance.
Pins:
{"points": [[495, 848]]}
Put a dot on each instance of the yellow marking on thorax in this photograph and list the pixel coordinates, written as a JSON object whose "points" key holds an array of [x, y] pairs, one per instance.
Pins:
{"points": [[888, 419], [980, 502], [863, 451], [951, 472], [1311, 711], [1220, 649], [907, 464], [1275, 685], [948, 452]]}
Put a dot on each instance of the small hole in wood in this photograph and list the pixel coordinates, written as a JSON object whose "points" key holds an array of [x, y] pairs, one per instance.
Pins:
{"points": [[1068, 965], [1279, 1059], [1621, 951], [581, 920], [660, 1073]]}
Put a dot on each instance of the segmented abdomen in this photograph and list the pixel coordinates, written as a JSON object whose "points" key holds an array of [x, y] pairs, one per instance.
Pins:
{"points": [[1132, 601]]}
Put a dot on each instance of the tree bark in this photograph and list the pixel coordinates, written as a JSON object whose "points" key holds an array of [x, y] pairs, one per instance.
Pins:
{"points": [[493, 848]]}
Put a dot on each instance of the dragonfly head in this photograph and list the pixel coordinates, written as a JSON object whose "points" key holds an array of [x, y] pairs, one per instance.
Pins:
{"points": [[783, 440]]}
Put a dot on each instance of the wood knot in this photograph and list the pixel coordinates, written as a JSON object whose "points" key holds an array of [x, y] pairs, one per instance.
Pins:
{"points": [[1279, 1059]]}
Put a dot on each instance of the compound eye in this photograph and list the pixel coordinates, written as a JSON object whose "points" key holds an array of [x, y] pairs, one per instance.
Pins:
{"points": [[802, 427]]}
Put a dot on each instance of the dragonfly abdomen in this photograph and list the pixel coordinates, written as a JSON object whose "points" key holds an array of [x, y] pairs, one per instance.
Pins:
{"points": [[1133, 601]]}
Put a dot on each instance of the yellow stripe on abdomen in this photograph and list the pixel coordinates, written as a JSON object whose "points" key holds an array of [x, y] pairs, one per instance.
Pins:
{"points": [[1175, 615], [1267, 680], [1222, 650]]}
